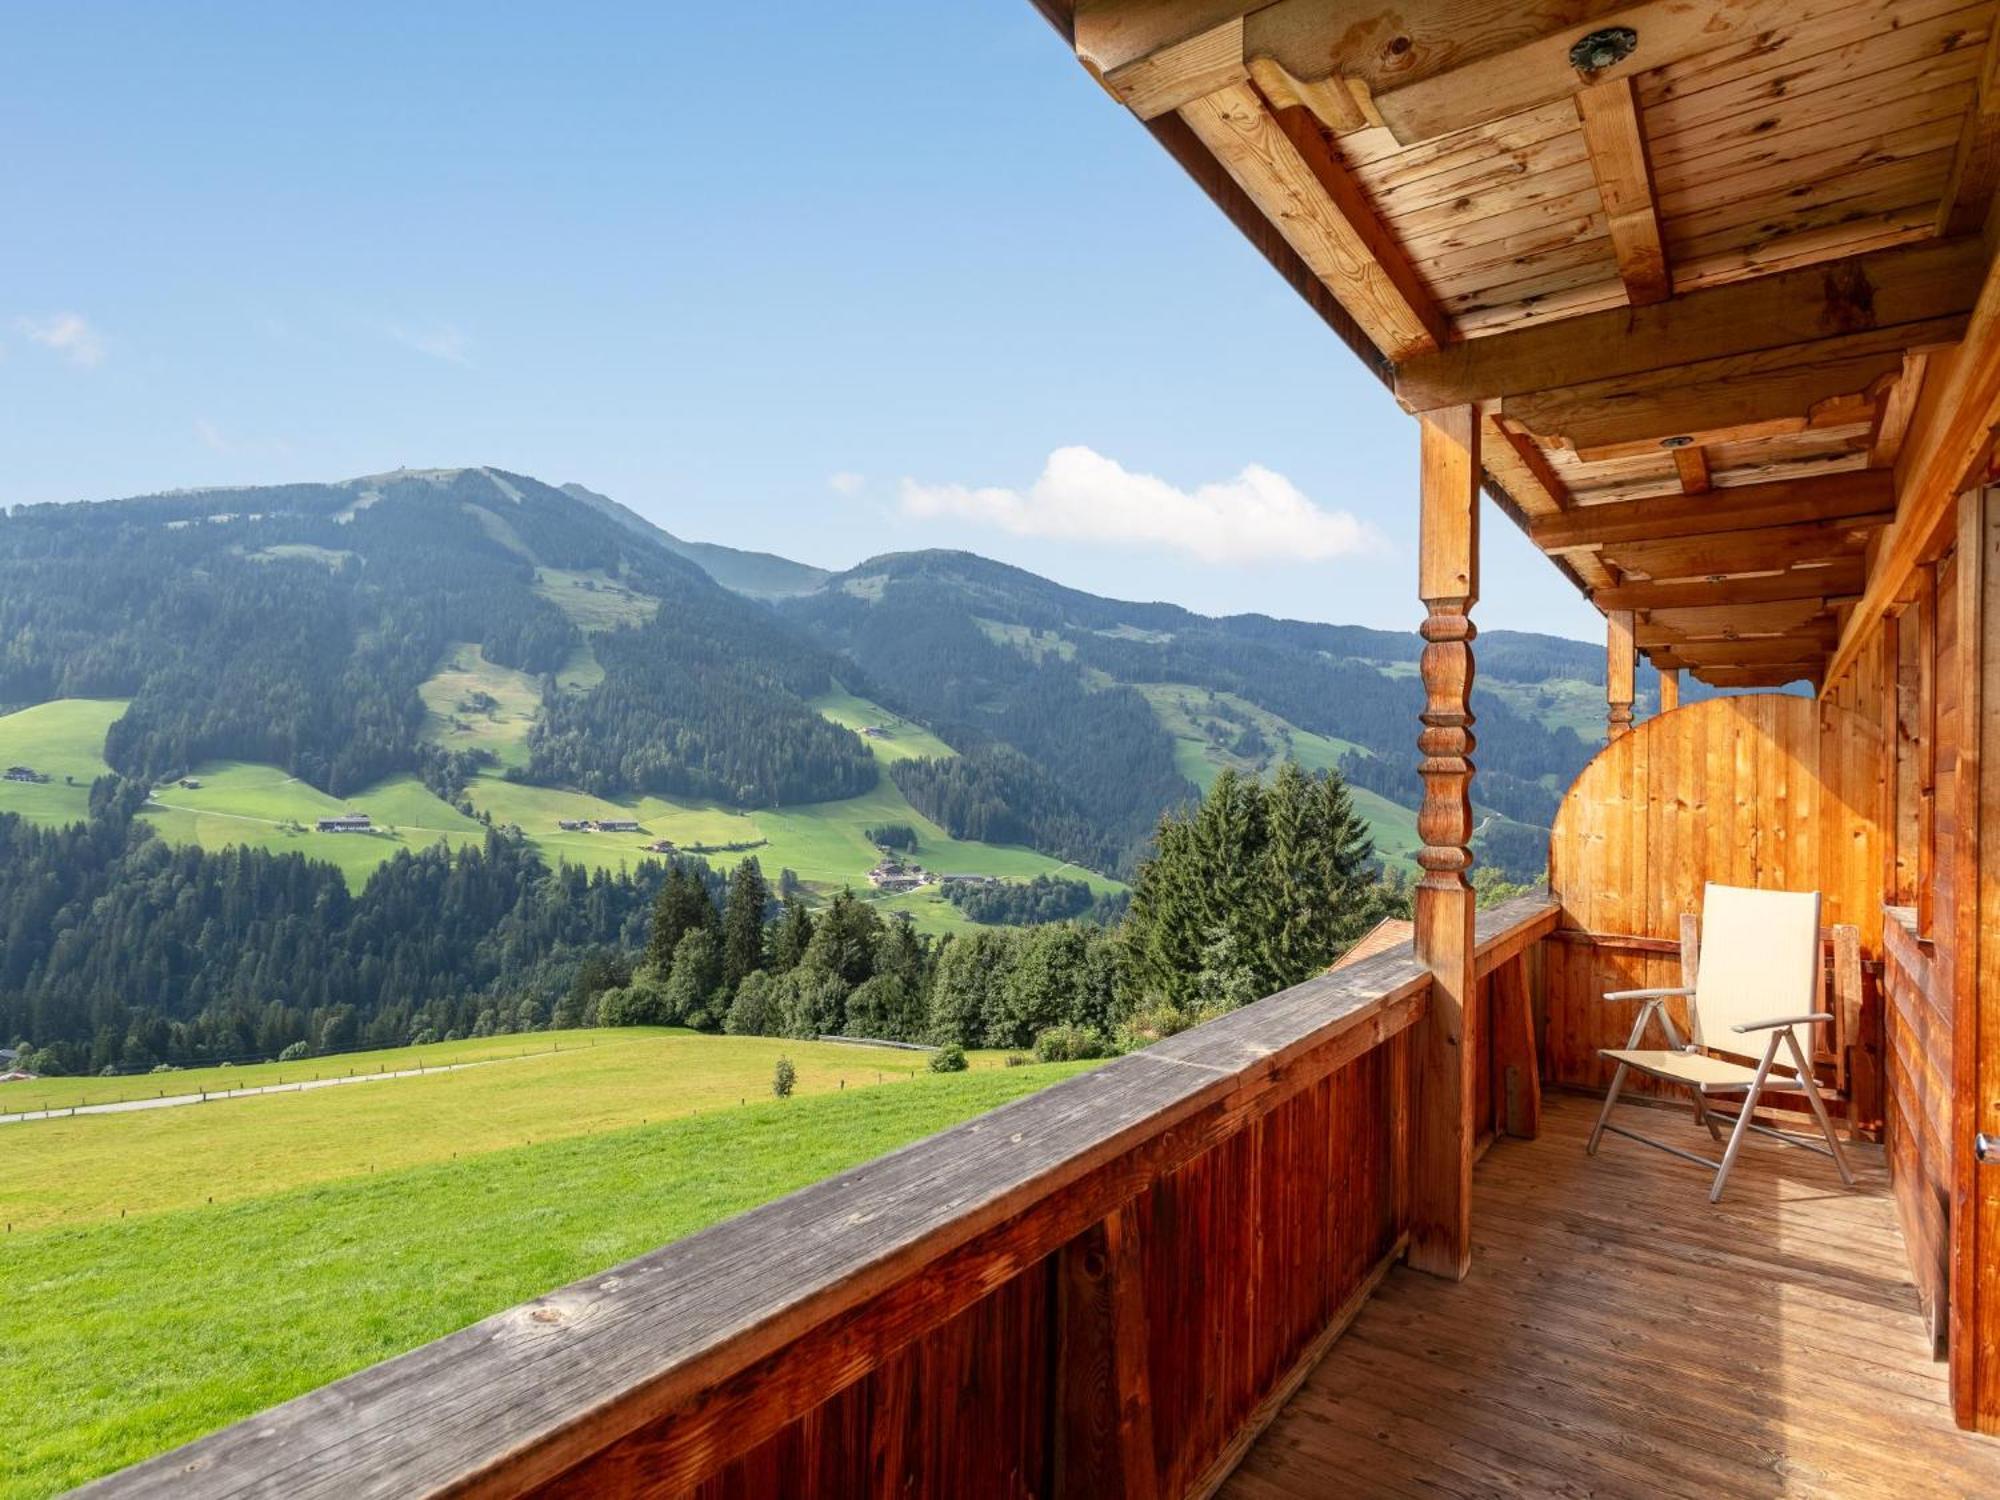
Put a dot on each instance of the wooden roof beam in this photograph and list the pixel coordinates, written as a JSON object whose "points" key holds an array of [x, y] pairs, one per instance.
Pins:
{"points": [[1828, 585], [1718, 395], [1771, 549], [1430, 67], [1796, 309], [1975, 164], [1609, 113], [1283, 163], [1950, 439], [1869, 493]]}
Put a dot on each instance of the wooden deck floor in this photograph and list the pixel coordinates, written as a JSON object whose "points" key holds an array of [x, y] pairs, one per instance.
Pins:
{"points": [[1620, 1337]]}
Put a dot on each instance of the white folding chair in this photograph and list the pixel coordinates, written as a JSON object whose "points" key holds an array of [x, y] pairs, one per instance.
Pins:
{"points": [[1757, 975]]}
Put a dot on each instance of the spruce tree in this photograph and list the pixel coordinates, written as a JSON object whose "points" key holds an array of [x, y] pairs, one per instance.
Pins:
{"points": [[792, 937], [743, 923], [680, 908]]}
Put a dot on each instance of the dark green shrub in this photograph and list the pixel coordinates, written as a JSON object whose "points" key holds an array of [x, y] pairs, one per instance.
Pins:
{"points": [[784, 1078], [294, 1052], [948, 1059], [1069, 1044]]}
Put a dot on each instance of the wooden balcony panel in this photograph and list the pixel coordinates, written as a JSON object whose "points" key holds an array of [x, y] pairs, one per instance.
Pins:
{"points": [[1620, 1337]]}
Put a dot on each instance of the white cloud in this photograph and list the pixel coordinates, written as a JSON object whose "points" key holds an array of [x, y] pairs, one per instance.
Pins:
{"points": [[68, 334], [1259, 516], [846, 482], [438, 340]]}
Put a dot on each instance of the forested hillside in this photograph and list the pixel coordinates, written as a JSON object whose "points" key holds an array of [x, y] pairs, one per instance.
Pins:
{"points": [[294, 624], [1055, 696]]}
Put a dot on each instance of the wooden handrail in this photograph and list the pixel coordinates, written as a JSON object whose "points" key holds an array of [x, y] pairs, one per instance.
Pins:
{"points": [[736, 1331]]}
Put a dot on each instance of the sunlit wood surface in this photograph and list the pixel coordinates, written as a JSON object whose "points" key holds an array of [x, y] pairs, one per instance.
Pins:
{"points": [[1618, 1336]]}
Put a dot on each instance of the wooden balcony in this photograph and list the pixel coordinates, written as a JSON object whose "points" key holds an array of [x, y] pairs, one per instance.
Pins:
{"points": [[1618, 1336]]}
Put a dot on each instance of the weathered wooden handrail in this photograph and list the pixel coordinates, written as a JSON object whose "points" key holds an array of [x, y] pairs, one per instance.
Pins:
{"points": [[654, 1375]]}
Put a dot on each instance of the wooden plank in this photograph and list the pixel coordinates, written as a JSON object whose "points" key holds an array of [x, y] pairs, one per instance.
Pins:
{"points": [[1898, 405], [1832, 497], [1950, 437], [1163, 81], [1768, 549], [1444, 1082], [1670, 690], [1713, 396], [1838, 582], [1617, 146], [1104, 1433], [1287, 169], [1517, 1077], [1890, 288], [1975, 881], [1975, 165]]}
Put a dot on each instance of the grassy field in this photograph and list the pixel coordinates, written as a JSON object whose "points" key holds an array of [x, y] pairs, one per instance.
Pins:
{"points": [[134, 1334], [75, 1169], [63, 740], [242, 803], [595, 601], [452, 719]]}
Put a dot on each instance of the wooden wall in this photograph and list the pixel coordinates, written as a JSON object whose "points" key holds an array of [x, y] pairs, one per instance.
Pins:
{"points": [[1768, 790], [1244, 1258], [1917, 1114]]}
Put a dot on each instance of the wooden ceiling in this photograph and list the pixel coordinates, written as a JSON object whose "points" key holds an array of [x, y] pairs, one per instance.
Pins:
{"points": [[1695, 290]]}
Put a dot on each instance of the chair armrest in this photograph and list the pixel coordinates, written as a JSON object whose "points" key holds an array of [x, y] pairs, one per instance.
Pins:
{"points": [[1812, 1020], [1666, 994]]}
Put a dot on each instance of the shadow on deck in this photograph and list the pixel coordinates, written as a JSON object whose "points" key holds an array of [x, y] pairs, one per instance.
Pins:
{"points": [[1620, 1336]]}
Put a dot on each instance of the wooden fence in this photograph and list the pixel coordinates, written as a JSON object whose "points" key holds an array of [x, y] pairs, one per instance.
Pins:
{"points": [[1104, 1289]]}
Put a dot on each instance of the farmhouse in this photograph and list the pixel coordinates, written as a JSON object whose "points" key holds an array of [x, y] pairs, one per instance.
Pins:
{"points": [[616, 825], [23, 773], [191, 783], [660, 846], [573, 825], [878, 731], [345, 823], [1702, 297]]}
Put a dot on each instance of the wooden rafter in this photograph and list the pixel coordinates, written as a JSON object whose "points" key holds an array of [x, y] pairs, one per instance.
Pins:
{"points": [[1770, 549], [1793, 309], [1284, 164], [1950, 438], [1839, 583], [1609, 112], [1897, 406], [1691, 465], [1975, 166], [1864, 494], [1793, 617], [1720, 394]]}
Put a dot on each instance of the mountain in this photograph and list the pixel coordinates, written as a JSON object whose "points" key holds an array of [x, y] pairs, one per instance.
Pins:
{"points": [[294, 625], [761, 575], [1079, 717], [462, 626]]}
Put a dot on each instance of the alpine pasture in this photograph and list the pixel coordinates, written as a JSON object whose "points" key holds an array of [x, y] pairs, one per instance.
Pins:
{"points": [[187, 1266]]}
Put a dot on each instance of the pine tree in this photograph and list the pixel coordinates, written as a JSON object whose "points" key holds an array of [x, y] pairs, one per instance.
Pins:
{"points": [[743, 923]]}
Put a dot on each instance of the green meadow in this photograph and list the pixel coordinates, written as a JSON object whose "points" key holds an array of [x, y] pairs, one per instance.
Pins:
{"points": [[134, 1333], [471, 703]]}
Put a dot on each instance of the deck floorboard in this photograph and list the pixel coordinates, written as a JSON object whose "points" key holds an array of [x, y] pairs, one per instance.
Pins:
{"points": [[1618, 1336]]}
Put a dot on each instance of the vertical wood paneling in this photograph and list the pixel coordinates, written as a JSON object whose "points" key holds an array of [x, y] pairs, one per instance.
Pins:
{"points": [[1766, 790], [1236, 1264]]}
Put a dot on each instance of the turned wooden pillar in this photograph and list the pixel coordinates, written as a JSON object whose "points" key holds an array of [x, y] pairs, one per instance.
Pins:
{"points": [[1445, 1043], [1620, 669], [1670, 690]]}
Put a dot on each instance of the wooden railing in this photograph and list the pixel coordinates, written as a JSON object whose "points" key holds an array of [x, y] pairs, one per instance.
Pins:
{"points": [[1104, 1289]]}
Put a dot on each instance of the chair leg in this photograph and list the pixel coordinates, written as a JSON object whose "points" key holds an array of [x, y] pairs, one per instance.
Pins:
{"points": [[1743, 1120], [1617, 1083], [1819, 1110]]}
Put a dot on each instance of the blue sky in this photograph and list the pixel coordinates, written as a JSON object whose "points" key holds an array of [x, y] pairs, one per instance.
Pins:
{"points": [[824, 280]]}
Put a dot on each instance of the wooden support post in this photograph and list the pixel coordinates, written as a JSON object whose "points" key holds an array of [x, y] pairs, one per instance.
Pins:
{"points": [[1443, 1076], [1517, 1076], [1975, 1035], [1925, 610], [1670, 690], [1620, 670], [1104, 1434]]}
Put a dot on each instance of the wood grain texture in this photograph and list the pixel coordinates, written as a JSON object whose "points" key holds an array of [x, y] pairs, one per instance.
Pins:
{"points": [[1767, 791], [1624, 1339], [1617, 147], [1305, 193]]}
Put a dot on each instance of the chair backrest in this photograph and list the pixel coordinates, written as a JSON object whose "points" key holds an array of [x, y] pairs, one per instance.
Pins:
{"points": [[1759, 959]]}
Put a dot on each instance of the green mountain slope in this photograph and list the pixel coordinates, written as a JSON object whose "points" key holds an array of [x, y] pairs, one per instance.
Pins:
{"points": [[761, 575]]}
